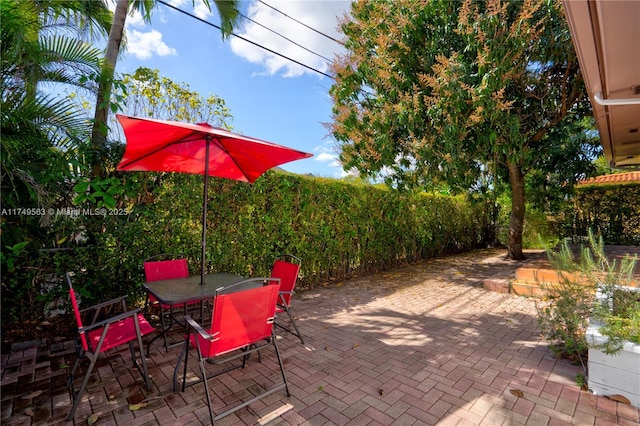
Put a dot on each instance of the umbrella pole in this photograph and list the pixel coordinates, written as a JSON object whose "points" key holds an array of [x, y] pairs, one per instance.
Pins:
{"points": [[204, 210]]}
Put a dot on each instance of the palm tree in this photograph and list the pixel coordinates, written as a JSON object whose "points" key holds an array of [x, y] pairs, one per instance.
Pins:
{"points": [[41, 45], [43, 41], [229, 16]]}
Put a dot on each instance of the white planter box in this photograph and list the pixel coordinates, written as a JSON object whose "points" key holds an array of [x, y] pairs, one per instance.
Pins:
{"points": [[613, 374]]}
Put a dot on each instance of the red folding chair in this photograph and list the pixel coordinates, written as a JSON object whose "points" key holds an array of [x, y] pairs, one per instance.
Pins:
{"points": [[156, 270], [286, 267], [103, 334], [242, 322]]}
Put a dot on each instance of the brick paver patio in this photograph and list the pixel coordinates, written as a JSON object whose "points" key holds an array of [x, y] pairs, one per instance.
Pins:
{"points": [[422, 345]]}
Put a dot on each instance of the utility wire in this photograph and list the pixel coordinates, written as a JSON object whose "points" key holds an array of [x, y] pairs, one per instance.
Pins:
{"points": [[361, 90], [284, 37], [366, 92], [247, 40], [303, 24]]}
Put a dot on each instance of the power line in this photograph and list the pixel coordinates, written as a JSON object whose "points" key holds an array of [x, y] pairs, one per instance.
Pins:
{"points": [[284, 37], [303, 24], [366, 92], [245, 39]]}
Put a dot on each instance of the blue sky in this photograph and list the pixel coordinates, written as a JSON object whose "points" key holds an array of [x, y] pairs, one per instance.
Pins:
{"points": [[269, 97]]}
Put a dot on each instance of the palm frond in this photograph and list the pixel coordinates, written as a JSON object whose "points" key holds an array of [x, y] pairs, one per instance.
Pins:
{"points": [[66, 60]]}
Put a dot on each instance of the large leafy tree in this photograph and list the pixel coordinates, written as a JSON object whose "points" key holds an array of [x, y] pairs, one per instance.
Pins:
{"points": [[146, 93], [450, 91], [229, 16]]}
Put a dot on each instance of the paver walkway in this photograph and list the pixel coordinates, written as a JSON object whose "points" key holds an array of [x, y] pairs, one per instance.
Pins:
{"points": [[422, 345]]}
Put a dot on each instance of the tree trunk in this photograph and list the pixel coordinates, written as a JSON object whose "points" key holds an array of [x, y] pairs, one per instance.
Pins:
{"points": [[100, 129], [516, 223]]}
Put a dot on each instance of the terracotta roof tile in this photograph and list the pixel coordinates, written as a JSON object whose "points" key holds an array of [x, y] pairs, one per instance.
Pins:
{"points": [[614, 178]]}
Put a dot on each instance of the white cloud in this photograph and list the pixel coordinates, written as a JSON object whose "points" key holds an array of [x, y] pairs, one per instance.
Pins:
{"points": [[143, 45], [202, 11], [320, 15], [133, 19], [325, 156], [352, 173]]}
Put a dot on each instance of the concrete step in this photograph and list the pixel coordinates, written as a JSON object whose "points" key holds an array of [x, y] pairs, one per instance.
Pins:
{"points": [[532, 281], [550, 276], [543, 275], [528, 279], [526, 288]]}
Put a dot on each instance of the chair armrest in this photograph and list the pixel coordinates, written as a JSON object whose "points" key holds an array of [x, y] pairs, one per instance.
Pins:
{"points": [[205, 335], [109, 304], [110, 320], [258, 281], [103, 304]]}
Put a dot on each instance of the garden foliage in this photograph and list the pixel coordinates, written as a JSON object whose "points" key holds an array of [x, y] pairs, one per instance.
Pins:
{"points": [[457, 91], [611, 211], [337, 229], [572, 303]]}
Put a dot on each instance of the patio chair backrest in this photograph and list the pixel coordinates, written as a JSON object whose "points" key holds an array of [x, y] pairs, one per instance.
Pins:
{"points": [[288, 274], [166, 269], [76, 312], [241, 318]]}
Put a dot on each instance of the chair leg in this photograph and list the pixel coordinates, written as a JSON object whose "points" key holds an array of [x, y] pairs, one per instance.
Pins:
{"points": [[78, 396], [295, 326], [133, 354], [165, 331], [206, 388], [293, 323], [275, 345], [143, 360], [183, 354], [175, 371], [72, 375]]}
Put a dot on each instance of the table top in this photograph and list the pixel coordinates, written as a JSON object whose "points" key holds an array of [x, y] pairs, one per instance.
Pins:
{"points": [[189, 289]]}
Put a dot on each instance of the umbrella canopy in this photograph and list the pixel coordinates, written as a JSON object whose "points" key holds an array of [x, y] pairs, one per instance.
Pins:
{"points": [[171, 146]]}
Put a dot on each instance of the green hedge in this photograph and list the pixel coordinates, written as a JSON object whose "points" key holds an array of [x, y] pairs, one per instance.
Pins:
{"points": [[611, 211], [337, 229]]}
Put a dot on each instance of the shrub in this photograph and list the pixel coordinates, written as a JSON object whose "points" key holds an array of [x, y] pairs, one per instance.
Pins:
{"points": [[565, 311], [336, 228], [612, 211]]}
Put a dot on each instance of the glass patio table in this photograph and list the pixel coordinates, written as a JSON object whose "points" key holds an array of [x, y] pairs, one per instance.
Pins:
{"points": [[181, 291]]}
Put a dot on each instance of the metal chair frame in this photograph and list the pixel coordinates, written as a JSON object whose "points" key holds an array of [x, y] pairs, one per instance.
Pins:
{"points": [[287, 267], [104, 334], [179, 270], [242, 323]]}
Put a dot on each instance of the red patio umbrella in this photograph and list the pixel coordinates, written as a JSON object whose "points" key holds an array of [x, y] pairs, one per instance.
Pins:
{"points": [[171, 146]]}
